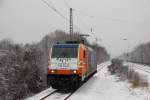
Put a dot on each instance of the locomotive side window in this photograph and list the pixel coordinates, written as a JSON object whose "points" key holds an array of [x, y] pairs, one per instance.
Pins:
{"points": [[63, 51]]}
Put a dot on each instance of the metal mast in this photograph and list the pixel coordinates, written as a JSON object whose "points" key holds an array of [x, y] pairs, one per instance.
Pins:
{"points": [[71, 23]]}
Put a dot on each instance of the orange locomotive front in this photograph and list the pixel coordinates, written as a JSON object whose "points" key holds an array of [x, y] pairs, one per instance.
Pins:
{"points": [[70, 65]]}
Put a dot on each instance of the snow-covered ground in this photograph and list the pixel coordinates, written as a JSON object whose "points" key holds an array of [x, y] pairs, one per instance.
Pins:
{"points": [[41, 94], [103, 86]]}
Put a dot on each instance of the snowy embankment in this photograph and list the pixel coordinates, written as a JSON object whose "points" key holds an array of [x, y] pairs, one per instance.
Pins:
{"points": [[103, 86]]}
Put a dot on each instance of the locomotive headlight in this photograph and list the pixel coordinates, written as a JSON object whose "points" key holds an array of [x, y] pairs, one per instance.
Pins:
{"points": [[75, 71], [52, 71]]}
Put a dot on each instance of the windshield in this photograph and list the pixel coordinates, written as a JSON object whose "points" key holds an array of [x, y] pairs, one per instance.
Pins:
{"points": [[65, 51]]}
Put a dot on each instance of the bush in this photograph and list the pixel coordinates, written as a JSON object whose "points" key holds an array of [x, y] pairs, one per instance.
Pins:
{"points": [[19, 72], [135, 80], [116, 66]]}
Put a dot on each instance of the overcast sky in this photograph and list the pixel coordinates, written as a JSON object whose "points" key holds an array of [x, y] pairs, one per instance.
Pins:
{"points": [[28, 21]]}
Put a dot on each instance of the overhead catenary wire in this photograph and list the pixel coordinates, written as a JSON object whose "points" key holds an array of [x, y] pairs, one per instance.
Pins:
{"points": [[55, 10], [51, 6], [58, 12], [85, 25], [77, 10], [87, 15], [82, 13]]}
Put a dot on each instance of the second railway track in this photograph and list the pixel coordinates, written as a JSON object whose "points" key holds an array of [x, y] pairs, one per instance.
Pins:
{"points": [[146, 70]]}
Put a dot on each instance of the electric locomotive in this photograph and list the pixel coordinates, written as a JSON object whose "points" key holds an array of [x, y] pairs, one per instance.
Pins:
{"points": [[70, 64]]}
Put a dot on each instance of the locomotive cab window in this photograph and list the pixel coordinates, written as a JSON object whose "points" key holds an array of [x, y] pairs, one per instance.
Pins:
{"points": [[65, 51]]}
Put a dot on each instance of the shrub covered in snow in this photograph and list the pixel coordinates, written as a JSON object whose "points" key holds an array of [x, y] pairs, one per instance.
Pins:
{"points": [[116, 66], [19, 72]]}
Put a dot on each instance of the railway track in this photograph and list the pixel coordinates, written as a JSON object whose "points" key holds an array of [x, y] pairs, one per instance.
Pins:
{"points": [[144, 69], [140, 67], [69, 95], [49, 94], [102, 66], [58, 94]]}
